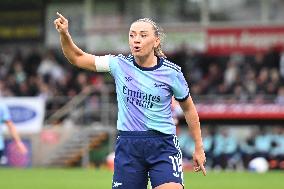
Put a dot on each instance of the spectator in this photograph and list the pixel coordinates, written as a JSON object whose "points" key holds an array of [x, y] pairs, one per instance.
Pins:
{"points": [[277, 151], [280, 96], [225, 149], [247, 149], [186, 144], [263, 144], [231, 73], [208, 145], [49, 67]]}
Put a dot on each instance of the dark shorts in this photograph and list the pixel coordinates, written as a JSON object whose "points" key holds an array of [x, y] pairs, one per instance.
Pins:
{"points": [[140, 155]]}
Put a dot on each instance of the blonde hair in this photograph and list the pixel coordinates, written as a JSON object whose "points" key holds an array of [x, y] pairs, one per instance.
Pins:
{"points": [[159, 32]]}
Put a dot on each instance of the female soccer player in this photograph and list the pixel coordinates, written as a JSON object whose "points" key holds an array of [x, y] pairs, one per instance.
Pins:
{"points": [[147, 146]]}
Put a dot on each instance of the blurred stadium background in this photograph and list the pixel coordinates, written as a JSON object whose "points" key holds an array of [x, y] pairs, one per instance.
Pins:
{"points": [[231, 53]]}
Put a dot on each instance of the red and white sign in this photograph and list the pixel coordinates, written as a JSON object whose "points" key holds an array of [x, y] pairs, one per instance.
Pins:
{"points": [[240, 111], [245, 40]]}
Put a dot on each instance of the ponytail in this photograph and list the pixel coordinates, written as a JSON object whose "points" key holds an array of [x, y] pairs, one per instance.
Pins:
{"points": [[159, 52]]}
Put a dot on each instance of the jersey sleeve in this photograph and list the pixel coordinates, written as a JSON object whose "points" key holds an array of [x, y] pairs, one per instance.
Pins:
{"points": [[6, 116], [180, 87], [113, 64]]}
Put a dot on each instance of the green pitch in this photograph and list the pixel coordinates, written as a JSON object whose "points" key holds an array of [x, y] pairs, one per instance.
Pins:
{"points": [[101, 179]]}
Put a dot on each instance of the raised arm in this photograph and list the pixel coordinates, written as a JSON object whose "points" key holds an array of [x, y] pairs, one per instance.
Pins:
{"points": [[193, 123], [73, 53]]}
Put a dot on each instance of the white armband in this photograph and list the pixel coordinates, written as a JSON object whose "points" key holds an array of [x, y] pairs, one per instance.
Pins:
{"points": [[102, 63]]}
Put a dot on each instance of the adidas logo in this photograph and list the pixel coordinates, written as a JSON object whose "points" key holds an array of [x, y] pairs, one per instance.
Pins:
{"points": [[159, 85], [128, 78]]}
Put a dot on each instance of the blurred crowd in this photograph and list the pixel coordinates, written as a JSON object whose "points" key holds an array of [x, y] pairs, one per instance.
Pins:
{"points": [[35, 73], [243, 78], [43, 73], [238, 78], [226, 150]]}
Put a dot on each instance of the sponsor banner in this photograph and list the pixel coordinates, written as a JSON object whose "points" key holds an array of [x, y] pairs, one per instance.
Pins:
{"points": [[247, 40], [12, 156], [27, 113], [240, 111]]}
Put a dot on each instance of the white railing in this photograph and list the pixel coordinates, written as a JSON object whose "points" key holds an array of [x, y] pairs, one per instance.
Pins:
{"points": [[85, 108]]}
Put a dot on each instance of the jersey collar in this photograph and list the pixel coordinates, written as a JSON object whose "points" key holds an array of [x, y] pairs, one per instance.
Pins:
{"points": [[159, 64]]}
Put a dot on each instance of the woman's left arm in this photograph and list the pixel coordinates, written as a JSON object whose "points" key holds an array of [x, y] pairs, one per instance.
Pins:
{"points": [[193, 123]]}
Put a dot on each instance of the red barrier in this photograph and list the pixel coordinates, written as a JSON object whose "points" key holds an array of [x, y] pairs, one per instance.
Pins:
{"points": [[245, 40], [241, 111]]}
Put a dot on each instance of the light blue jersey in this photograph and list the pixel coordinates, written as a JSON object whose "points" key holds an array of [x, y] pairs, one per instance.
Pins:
{"points": [[4, 116], [144, 94]]}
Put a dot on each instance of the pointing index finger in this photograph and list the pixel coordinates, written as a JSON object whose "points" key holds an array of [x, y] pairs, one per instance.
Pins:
{"points": [[60, 15], [203, 169]]}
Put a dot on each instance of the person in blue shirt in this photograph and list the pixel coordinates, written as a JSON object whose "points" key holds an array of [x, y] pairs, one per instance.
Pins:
{"points": [[225, 149], [147, 146], [276, 154], [263, 143], [208, 141], [247, 149], [5, 118]]}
